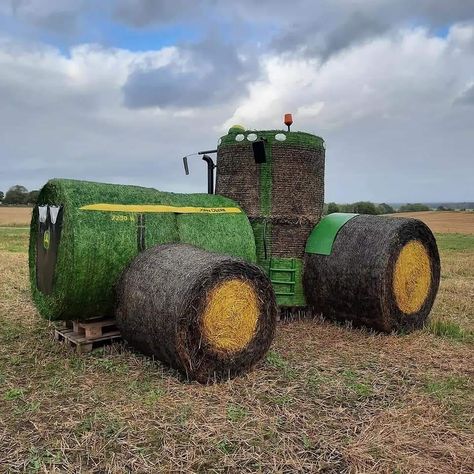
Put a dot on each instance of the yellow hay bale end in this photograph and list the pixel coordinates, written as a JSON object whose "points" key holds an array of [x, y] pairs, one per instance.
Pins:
{"points": [[412, 277], [230, 318]]}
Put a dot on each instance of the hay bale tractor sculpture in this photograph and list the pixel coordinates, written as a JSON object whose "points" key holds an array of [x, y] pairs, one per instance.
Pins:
{"points": [[198, 280]]}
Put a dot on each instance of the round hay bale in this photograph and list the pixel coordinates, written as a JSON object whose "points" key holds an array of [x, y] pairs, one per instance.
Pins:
{"points": [[208, 315], [382, 273], [84, 234]]}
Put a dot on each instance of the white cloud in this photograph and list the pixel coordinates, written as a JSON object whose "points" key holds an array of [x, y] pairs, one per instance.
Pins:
{"points": [[386, 108], [64, 116]]}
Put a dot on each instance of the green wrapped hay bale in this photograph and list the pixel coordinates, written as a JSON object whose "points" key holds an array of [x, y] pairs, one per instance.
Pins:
{"points": [[83, 235], [380, 272], [208, 315]]}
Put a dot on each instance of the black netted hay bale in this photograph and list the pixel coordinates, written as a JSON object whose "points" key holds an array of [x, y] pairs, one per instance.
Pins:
{"points": [[287, 191], [298, 181], [208, 315], [289, 236], [238, 176], [382, 273]]}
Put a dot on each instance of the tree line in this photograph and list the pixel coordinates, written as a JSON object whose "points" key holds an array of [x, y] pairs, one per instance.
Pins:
{"points": [[367, 207], [19, 195]]}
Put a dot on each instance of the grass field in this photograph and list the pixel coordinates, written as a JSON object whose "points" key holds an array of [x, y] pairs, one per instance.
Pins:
{"points": [[326, 398]]}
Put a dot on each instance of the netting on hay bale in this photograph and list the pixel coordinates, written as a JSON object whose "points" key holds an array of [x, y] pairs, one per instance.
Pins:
{"points": [[99, 228], [283, 197], [287, 191], [382, 273], [208, 315]]}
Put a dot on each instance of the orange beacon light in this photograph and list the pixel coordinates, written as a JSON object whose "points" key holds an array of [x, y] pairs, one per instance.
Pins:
{"points": [[288, 120]]}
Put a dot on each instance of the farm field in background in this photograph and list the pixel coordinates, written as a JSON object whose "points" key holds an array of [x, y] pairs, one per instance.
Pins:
{"points": [[15, 216], [327, 397], [444, 221], [438, 221]]}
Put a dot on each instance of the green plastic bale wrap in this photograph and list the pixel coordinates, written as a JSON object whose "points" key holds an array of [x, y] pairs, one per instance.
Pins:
{"points": [[83, 235]]}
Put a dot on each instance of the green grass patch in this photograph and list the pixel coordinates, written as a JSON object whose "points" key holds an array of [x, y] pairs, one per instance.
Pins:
{"points": [[276, 361], [282, 400], [455, 242], [14, 239], [41, 460], [112, 366], [316, 382], [103, 423], [353, 383], [10, 332], [236, 413], [226, 446], [444, 388], [450, 330], [27, 407], [13, 394], [147, 391]]}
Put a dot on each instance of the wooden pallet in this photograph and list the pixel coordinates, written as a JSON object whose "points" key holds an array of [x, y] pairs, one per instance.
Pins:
{"points": [[84, 335]]}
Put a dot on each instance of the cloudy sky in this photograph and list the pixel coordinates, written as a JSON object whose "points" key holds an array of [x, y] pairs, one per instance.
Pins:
{"points": [[119, 91]]}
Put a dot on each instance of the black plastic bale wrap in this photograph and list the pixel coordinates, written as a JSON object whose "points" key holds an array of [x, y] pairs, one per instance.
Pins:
{"points": [[161, 299], [356, 281]]}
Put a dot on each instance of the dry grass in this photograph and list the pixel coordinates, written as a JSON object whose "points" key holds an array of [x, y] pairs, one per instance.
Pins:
{"points": [[444, 221], [327, 398], [15, 216]]}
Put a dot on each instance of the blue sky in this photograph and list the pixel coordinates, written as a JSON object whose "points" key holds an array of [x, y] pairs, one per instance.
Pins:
{"points": [[120, 91]]}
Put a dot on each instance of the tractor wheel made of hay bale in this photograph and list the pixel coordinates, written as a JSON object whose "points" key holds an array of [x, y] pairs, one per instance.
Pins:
{"points": [[208, 315], [381, 272]]}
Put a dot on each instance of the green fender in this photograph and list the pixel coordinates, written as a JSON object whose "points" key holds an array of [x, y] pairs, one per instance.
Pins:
{"points": [[324, 233]]}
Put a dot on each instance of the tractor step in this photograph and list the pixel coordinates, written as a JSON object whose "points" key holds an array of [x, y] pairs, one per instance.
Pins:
{"points": [[276, 273]]}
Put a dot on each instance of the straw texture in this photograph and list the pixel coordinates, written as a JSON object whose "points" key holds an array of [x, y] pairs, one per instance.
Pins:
{"points": [[283, 197], [363, 280], [181, 304]]}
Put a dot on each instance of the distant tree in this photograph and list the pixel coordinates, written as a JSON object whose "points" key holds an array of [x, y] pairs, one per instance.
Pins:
{"points": [[16, 195], [32, 197], [365, 207], [2, 196], [346, 207], [417, 207], [332, 208], [385, 209]]}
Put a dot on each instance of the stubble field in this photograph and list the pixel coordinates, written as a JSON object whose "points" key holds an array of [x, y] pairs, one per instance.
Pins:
{"points": [[15, 216], [444, 221], [327, 398]]}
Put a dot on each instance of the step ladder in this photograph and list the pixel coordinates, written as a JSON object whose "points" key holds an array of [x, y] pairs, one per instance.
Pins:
{"points": [[276, 273]]}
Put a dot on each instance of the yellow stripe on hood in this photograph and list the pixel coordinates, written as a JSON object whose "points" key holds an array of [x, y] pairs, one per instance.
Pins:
{"points": [[159, 208]]}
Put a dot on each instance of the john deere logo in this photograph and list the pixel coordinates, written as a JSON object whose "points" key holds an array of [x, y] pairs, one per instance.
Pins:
{"points": [[46, 239]]}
